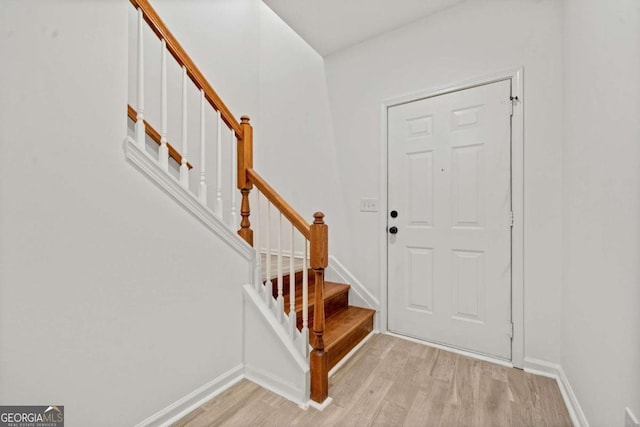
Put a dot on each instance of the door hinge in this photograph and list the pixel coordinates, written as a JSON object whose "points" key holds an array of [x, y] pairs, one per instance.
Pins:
{"points": [[512, 218], [513, 99], [510, 330]]}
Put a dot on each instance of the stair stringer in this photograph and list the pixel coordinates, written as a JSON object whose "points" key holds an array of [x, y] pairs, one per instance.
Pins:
{"points": [[272, 353], [150, 167]]}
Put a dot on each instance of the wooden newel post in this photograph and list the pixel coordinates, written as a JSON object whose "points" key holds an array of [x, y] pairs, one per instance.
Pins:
{"points": [[245, 162], [319, 261]]}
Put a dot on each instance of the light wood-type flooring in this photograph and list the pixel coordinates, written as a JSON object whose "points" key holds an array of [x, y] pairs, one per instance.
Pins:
{"points": [[395, 382]]}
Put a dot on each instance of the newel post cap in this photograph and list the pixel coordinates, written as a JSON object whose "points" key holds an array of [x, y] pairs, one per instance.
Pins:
{"points": [[244, 120], [318, 218]]}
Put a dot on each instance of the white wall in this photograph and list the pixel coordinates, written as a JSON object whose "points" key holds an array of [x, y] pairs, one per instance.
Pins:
{"points": [[293, 145], [468, 41], [221, 37], [111, 295], [601, 192], [260, 67]]}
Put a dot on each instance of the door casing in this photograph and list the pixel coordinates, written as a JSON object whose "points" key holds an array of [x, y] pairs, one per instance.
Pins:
{"points": [[517, 188]]}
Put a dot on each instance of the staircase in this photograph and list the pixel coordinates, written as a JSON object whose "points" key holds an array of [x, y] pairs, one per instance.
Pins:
{"points": [[308, 312], [345, 325]]}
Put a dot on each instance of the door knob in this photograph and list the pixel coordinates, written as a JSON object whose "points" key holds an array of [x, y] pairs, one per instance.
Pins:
{"points": [[393, 230]]}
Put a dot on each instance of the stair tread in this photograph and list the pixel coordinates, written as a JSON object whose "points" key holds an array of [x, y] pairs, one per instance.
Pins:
{"points": [[331, 289], [343, 323]]}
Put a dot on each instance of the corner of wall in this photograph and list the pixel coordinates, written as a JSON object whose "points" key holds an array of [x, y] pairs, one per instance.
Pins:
{"points": [[555, 371]]}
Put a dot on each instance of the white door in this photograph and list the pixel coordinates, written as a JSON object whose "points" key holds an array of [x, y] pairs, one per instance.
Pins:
{"points": [[449, 180]]}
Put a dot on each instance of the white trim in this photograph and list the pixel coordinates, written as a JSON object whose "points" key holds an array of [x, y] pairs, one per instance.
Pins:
{"points": [[517, 232], [338, 272], [383, 324], [280, 325], [555, 371], [274, 384], [478, 356], [452, 87], [541, 367], [321, 406], [151, 168], [516, 76], [349, 355], [193, 400]]}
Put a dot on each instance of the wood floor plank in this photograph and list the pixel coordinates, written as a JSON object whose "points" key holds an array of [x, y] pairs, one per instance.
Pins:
{"points": [[523, 415], [466, 382], [444, 365], [389, 366], [410, 348], [495, 371], [403, 390], [493, 407], [428, 406], [350, 379], [519, 387], [331, 416], [367, 401], [390, 415], [217, 410], [424, 370], [555, 411], [391, 381], [378, 346]]}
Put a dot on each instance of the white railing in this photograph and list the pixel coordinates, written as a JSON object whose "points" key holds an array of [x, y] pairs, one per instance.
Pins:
{"points": [[217, 149], [282, 252]]}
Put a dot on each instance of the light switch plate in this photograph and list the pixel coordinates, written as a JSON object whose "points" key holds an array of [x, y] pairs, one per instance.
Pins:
{"points": [[368, 205]]}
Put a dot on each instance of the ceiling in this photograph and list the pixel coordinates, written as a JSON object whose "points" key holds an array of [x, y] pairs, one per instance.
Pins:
{"points": [[331, 25]]}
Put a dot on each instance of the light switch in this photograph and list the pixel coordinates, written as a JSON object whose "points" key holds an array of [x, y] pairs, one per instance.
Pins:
{"points": [[368, 205]]}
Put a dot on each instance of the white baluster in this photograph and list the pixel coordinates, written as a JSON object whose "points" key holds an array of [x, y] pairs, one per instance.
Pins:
{"points": [[280, 278], [292, 273], [234, 179], [219, 168], [305, 289], [139, 129], [184, 169], [268, 258], [203, 181], [292, 283], [257, 227], [163, 152]]}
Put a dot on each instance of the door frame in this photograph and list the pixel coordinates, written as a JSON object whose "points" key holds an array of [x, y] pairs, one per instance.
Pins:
{"points": [[516, 75]]}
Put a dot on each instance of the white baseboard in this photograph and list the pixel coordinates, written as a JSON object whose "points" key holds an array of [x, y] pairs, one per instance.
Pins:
{"points": [[555, 371], [196, 398], [541, 367], [321, 406]]}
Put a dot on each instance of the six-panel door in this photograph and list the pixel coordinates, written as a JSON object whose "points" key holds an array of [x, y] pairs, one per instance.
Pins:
{"points": [[449, 179]]}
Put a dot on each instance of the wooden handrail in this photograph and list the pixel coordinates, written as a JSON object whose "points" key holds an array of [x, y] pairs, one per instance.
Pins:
{"points": [[178, 52], [155, 136], [278, 201]]}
